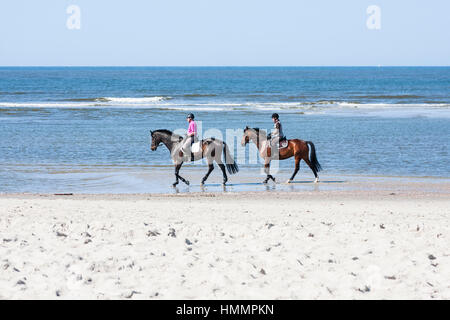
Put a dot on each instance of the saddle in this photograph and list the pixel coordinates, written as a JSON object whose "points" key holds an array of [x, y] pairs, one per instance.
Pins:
{"points": [[283, 143], [196, 147]]}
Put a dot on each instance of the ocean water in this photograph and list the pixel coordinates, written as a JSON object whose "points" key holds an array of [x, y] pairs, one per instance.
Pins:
{"points": [[87, 129]]}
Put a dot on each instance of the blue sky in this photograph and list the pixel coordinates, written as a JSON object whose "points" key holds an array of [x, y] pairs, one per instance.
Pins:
{"points": [[224, 32]]}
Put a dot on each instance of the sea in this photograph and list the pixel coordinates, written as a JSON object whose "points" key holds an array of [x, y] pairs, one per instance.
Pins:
{"points": [[87, 129]]}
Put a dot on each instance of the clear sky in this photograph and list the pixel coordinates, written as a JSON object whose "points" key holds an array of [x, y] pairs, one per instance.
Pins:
{"points": [[224, 32]]}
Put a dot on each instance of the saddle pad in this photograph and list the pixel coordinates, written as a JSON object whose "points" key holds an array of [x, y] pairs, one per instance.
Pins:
{"points": [[284, 144], [196, 147]]}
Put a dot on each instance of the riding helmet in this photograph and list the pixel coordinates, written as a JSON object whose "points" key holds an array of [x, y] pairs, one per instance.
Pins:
{"points": [[190, 116], [276, 116]]}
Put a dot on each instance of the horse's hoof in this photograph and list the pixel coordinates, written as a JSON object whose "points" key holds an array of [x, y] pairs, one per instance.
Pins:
{"points": [[175, 184], [288, 181], [187, 182], [317, 180]]}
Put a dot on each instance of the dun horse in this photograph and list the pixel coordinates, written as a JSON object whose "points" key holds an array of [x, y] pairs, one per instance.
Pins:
{"points": [[211, 149], [295, 148]]}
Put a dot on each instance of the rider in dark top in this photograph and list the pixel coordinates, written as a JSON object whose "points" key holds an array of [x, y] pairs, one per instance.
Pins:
{"points": [[277, 132]]}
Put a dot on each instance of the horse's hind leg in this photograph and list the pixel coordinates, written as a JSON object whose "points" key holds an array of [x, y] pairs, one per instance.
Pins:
{"points": [[218, 157], [177, 176], [210, 169], [224, 173], [312, 168], [297, 167]]}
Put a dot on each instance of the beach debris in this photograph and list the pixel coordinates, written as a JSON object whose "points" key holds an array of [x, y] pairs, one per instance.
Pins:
{"points": [[58, 293], [16, 270], [63, 194], [382, 226], [188, 242], [431, 257], [270, 225], [20, 283], [129, 296], [430, 284], [365, 289], [262, 271], [172, 233], [87, 241], [299, 262], [390, 277], [60, 234], [152, 233], [311, 235], [355, 258], [392, 194]]}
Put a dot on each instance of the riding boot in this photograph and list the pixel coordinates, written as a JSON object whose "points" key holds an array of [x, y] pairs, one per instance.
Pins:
{"points": [[192, 157]]}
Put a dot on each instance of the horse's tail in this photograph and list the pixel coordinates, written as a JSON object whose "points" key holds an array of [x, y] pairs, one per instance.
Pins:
{"points": [[313, 157], [232, 166]]}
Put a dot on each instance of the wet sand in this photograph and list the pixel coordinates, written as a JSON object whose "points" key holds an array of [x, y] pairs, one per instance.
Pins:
{"points": [[370, 239]]}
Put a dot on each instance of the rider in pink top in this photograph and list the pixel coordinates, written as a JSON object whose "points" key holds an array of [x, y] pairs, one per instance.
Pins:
{"points": [[192, 130], [191, 135]]}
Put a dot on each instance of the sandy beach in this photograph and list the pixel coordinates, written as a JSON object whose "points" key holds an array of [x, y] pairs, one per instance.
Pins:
{"points": [[387, 243]]}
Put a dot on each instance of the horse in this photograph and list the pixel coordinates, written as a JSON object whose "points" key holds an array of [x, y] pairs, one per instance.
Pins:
{"points": [[296, 148], [211, 148]]}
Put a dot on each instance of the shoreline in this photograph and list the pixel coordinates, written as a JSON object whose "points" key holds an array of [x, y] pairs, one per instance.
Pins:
{"points": [[160, 182], [329, 185]]}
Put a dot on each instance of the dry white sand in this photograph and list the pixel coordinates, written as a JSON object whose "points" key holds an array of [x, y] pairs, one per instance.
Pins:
{"points": [[326, 245]]}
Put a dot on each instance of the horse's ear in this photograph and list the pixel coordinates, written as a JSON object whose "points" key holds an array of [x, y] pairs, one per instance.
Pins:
{"points": [[151, 132], [246, 128]]}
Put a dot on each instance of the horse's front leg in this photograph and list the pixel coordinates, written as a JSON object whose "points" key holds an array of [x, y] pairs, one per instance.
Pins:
{"points": [[267, 171], [177, 169], [177, 176]]}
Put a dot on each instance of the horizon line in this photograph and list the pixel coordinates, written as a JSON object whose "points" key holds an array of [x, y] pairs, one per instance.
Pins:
{"points": [[217, 66]]}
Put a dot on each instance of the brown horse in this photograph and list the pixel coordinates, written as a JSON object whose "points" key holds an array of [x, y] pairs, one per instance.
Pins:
{"points": [[295, 148]]}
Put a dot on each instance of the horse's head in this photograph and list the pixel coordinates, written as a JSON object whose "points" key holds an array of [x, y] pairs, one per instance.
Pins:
{"points": [[245, 137], [156, 140], [253, 134]]}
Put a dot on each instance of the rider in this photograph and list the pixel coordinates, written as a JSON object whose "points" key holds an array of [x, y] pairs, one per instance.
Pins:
{"points": [[277, 133], [191, 136]]}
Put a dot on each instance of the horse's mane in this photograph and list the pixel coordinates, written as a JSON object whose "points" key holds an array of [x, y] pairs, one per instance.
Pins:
{"points": [[165, 131], [255, 129], [170, 134]]}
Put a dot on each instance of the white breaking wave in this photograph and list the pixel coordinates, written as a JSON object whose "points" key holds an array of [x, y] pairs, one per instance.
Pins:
{"points": [[128, 101], [309, 108]]}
